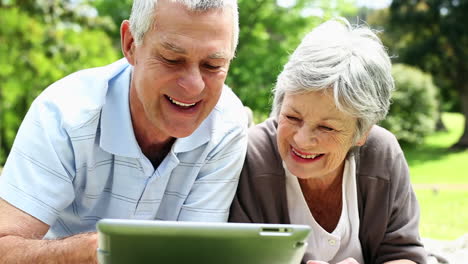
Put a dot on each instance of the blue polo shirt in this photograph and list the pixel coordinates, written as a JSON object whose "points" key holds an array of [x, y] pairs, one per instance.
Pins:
{"points": [[76, 160]]}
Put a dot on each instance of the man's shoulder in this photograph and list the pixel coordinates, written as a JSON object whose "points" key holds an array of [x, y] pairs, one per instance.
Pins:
{"points": [[229, 111], [90, 84], [79, 96]]}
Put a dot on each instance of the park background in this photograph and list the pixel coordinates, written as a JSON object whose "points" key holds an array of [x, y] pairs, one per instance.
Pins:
{"points": [[42, 41]]}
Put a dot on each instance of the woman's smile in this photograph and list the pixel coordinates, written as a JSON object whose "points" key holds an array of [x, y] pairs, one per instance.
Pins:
{"points": [[305, 157]]}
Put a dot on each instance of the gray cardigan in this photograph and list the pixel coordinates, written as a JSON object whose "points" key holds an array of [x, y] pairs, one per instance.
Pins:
{"points": [[388, 209]]}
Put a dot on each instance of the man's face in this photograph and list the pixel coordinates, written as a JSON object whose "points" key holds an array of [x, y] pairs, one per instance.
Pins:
{"points": [[180, 69]]}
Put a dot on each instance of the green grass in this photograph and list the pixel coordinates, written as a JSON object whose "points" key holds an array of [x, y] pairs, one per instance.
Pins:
{"points": [[432, 162], [444, 212]]}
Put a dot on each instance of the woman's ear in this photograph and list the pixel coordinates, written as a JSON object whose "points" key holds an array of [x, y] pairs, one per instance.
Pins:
{"points": [[128, 42], [362, 140]]}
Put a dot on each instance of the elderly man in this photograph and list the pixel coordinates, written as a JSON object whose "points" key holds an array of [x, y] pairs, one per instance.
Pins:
{"points": [[155, 135]]}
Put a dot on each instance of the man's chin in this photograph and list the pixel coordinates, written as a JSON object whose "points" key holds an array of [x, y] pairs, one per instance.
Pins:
{"points": [[181, 132]]}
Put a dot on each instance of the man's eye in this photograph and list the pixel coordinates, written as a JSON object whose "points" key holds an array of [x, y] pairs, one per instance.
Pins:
{"points": [[170, 61], [212, 67]]}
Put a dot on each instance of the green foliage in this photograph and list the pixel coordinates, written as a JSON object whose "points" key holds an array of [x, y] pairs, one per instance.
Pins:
{"points": [[436, 40], [268, 34], [413, 112], [116, 11], [427, 47], [34, 55]]}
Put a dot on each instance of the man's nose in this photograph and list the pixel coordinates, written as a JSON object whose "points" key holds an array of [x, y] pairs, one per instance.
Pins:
{"points": [[192, 81]]}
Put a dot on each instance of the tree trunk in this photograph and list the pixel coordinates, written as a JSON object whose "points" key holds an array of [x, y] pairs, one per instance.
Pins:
{"points": [[440, 126], [463, 141]]}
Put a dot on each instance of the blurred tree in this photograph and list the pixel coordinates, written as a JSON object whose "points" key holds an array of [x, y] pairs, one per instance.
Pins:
{"points": [[117, 11], [269, 32], [437, 42], [397, 40], [38, 48], [412, 115]]}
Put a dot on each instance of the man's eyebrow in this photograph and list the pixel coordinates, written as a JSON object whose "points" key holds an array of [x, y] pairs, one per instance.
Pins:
{"points": [[173, 47], [219, 55]]}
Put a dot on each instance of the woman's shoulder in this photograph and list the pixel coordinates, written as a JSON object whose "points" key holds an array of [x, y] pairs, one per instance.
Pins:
{"points": [[379, 153], [262, 137], [262, 151], [381, 135]]}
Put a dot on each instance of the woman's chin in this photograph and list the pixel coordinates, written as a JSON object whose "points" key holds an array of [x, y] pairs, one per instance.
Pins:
{"points": [[299, 171]]}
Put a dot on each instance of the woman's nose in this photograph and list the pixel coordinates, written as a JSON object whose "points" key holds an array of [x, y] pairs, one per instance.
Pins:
{"points": [[306, 137]]}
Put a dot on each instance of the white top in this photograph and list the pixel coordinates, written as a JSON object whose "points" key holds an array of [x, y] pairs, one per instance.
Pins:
{"points": [[76, 160], [343, 242]]}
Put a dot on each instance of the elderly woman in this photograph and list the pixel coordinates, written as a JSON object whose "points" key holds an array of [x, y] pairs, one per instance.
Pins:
{"points": [[321, 160]]}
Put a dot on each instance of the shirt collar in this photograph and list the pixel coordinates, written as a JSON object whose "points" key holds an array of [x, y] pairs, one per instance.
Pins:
{"points": [[199, 137], [117, 136]]}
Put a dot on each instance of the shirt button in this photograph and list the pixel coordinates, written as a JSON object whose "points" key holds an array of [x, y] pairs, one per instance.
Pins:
{"points": [[331, 242]]}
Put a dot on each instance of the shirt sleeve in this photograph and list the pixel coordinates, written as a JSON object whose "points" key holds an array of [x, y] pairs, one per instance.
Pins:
{"points": [[213, 190], [37, 177], [401, 239]]}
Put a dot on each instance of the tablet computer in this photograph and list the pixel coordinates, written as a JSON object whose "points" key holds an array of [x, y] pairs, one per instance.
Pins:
{"points": [[144, 241]]}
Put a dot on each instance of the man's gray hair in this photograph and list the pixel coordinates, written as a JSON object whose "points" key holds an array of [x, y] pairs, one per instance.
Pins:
{"points": [[350, 63], [143, 11]]}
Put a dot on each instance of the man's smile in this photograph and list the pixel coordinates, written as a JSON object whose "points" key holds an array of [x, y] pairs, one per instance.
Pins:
{"points": [[179, 103]]}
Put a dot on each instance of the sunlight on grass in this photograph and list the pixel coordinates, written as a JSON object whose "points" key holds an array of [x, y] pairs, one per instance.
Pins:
{"points": [[444, 213], [432, 162], [444, 210], [454, 123]]}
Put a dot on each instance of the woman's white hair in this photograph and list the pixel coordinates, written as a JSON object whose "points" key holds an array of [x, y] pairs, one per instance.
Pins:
{"points": [[350, 62], [143, 15]]}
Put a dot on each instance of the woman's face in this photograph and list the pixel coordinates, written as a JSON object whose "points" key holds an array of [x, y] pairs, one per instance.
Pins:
{"points": [[314, 137]]}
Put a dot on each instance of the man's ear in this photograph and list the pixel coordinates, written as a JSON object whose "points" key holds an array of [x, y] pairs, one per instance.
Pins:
{"points": [[362, 140], [127, 42]]}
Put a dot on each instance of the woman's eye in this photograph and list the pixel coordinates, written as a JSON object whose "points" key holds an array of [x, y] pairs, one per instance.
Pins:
{"points": [[292, 118], [326, 128]]}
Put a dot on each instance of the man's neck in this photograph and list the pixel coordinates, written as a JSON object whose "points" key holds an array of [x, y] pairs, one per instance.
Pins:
{"points": [[154, 148], [154, 144], [157, 152]]}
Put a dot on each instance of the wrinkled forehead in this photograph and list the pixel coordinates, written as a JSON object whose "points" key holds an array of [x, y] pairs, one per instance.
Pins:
{"points": [[174, 19], [203, 5]]}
